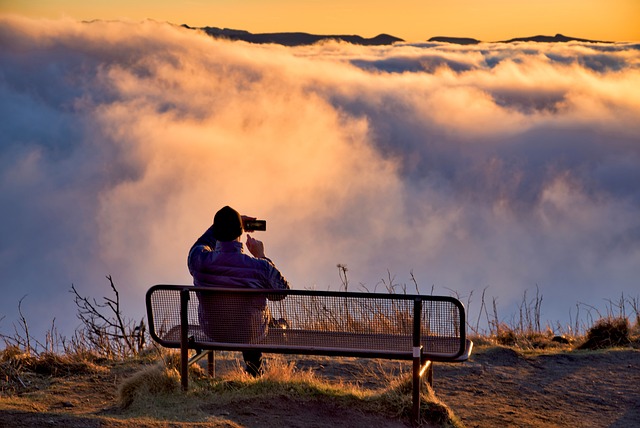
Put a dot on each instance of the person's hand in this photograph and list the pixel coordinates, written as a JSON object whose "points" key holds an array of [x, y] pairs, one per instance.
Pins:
{"points": [[255, 247], [245, 218]]}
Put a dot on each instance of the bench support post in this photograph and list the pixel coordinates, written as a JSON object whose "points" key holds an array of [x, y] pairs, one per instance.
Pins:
{"points": [[184, 339], [211, 368], [417, 360]]}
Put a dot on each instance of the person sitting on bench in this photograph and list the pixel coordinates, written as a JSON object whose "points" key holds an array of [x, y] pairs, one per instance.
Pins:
{"points": [[217, 259]]}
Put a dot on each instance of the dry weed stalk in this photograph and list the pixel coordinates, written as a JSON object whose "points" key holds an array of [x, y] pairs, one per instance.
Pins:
{"points": [[106, 331], [22, 339]]}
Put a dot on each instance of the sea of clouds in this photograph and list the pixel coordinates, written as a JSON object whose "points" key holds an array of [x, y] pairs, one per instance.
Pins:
{"points": [[505, 167]]}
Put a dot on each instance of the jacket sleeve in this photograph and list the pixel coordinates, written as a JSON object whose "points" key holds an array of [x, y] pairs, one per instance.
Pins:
{"points": [[206, 243], [275, 280]]}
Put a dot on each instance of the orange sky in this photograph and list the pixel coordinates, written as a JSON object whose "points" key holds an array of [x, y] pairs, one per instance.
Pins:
{"points": [[412, 20]]}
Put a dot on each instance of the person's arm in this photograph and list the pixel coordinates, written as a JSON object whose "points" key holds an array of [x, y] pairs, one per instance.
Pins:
{"points": [[206, 240], [277, 280], [274, 278]]}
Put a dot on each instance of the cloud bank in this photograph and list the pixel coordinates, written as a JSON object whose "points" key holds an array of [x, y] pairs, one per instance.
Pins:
{"points": [[507, 166]]}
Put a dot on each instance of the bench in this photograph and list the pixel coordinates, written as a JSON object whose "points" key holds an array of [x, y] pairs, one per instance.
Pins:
{"points": [[422, 329]]}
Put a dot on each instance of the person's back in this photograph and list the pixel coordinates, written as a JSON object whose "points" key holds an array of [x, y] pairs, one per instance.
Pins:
{"points": [[217, 259], [224, 264]]}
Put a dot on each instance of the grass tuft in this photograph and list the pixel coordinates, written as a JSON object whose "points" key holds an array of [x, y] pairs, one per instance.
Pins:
{"points": [[396, 400], [527, 339], [148, 384], [608, 333]]}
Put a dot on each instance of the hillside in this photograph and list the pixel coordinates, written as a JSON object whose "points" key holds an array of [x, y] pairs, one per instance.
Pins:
{"points": [[499, 386]]}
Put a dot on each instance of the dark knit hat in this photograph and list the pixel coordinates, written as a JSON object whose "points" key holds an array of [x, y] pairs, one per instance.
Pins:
{"points": [[227, 224]]}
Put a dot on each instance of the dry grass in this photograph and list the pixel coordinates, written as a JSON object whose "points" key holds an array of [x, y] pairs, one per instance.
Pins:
{"points": [[153, 392], [155, 389], [530, 339], [16, 366], [608, 333], [155, 381]]}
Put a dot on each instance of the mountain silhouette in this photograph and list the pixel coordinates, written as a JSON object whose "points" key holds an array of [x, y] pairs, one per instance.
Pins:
{"points": [[455, 40], [558, 38], [294, 39], [300, 38]]}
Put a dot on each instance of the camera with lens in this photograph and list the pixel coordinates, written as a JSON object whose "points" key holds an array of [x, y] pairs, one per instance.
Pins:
{"points": [[252, 225]]}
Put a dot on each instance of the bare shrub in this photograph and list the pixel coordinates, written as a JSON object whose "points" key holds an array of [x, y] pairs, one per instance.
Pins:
{"points": [[21, 339], [608, 333], [105, 331]]}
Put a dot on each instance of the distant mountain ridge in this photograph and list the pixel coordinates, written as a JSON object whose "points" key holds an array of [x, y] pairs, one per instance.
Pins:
{"points": [[301, 39], [455, 40], [558, 38], [296, 38]]}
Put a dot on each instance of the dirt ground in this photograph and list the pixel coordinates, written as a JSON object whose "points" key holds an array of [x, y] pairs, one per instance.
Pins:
{"points": [[498, 387]]}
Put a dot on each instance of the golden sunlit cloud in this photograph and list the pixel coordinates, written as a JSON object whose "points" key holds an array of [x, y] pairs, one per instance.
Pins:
{"points": [[507, 166], [411, 20]]}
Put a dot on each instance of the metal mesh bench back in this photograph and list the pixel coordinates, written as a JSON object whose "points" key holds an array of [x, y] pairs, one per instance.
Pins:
{"points": [[307, 321]]}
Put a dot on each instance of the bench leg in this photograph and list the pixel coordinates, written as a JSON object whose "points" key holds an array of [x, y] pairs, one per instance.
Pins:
{"points": [[210, 360], [184, 339], [419, 371], [415, 414], [198, 355], [417, 360], [184, 368]]}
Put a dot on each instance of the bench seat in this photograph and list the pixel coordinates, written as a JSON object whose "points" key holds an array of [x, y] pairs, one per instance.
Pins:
{"points": [[313, 342]]}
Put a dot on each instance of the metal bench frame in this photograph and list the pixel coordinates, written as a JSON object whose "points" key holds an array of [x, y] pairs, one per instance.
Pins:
{"points": [[176, 330]]}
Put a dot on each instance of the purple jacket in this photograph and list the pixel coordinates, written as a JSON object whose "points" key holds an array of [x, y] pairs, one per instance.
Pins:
{"points": [[224, 264]]}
